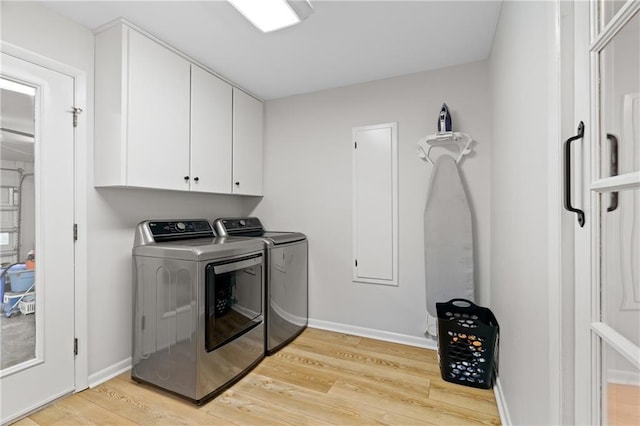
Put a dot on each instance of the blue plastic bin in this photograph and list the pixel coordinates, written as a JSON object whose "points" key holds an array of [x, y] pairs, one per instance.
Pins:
{"points": [[18, 267], [21, 280]]}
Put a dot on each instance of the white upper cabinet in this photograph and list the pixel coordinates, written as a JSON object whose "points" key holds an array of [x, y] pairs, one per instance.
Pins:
{"points": [[142, 112], [211, 153], [162, 121], [247, 144]]}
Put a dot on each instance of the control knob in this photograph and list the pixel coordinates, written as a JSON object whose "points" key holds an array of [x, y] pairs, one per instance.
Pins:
{"points": [[180, 226]]}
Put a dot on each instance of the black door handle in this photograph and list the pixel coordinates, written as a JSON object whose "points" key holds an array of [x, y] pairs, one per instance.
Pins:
{"points": [[613, 163], [567, 175]]}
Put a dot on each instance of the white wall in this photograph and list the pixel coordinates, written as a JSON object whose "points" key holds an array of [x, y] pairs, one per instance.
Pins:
{"points": [[307, 186], [519, 64], [112, 213]]}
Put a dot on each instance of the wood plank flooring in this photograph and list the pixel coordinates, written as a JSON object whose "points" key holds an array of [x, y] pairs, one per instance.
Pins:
{"points": [[623, 404], [322, 378]]}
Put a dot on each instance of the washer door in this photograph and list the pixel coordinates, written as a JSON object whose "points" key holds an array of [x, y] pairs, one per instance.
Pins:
{"points": [[233, 299]]}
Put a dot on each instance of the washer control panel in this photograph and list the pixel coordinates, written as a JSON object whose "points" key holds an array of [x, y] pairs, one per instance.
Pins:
{"points": [[180, 229]]}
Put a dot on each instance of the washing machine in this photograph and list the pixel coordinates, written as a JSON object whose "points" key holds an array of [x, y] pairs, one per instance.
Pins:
{"points": [[198, 307]]}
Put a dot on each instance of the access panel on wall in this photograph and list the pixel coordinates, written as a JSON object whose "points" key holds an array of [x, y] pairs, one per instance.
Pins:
{"points": [[375, 204]]}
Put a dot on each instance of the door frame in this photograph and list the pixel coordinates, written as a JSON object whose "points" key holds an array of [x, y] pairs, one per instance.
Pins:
{"points": [[560, 232], [81, 138]]}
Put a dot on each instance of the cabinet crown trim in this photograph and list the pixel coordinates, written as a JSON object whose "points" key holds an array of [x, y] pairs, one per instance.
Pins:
{"points": [[126, 23]]}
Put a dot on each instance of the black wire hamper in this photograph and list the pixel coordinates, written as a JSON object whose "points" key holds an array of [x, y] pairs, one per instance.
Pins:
{"points": [[468, 337]]}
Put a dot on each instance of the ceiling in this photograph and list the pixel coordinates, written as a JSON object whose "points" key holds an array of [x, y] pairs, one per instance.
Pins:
{"points": [[341, 43]]}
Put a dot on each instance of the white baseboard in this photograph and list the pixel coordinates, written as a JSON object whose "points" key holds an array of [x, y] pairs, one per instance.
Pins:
{"points": [[505, 418], [387, 336], [109, 373], [623, 377]]}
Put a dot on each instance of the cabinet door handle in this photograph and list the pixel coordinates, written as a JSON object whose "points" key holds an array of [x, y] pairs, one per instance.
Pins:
{"points": [[237, 183], [196, 179], [613, 164], [186, 178], [567, 174]]}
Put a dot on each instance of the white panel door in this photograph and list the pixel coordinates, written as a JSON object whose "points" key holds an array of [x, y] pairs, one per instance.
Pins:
{"points": [[211, 108], [158, 119], [608, 247], [49, 373], [375, 204], [247, 144]]}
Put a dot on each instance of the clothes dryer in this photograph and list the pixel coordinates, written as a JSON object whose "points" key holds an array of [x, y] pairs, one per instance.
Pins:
{"points": [[287, 309]]}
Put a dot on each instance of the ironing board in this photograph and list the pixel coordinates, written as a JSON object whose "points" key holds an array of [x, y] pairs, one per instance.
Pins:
{"points": [[448, 237]]}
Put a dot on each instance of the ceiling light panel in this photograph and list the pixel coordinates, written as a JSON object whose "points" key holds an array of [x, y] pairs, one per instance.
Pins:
{"points": [[267, 15]]}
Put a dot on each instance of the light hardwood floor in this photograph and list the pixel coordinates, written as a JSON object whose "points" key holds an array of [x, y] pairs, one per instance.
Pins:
{"points": [[320, 378], [623, 404]]}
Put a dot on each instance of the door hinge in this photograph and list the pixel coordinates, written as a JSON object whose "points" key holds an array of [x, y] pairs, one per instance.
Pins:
{"points": [[75, 346], [76, 112], [75, 232]]}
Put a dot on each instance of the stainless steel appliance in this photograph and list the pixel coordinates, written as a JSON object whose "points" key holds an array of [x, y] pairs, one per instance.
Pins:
{"points": [[287, 277], [198, 307]]}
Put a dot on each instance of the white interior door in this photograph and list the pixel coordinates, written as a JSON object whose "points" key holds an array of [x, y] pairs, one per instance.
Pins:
{"points": [[608, 248], [49, 373]]}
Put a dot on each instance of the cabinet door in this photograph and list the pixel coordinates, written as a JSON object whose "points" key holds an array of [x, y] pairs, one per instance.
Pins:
{"points": [[375, 183], [247, 144], [158, 116], [211, 107]]}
